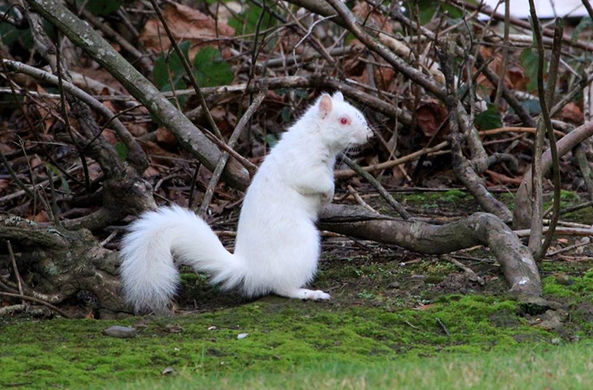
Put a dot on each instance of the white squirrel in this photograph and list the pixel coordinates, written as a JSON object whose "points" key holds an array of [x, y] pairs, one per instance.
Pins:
{"points": [[277, 245]]}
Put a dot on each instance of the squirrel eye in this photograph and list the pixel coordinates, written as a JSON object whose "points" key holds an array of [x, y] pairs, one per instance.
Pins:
{"points": [[344, 121]]}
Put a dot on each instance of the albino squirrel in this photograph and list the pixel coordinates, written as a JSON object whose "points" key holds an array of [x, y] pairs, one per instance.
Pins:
{"points": [[277, 244]]}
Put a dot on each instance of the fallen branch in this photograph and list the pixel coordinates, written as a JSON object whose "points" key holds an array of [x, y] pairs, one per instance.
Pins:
{"points": [[519, 268]]}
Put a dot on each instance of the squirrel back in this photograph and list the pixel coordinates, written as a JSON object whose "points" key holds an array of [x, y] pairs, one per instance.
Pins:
{"points": [[277, 245]]}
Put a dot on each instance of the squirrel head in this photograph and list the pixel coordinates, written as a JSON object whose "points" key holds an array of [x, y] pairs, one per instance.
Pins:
{"points": [[340, 124]]}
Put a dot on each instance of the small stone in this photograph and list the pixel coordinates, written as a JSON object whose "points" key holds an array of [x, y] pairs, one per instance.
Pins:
{"points": [[555, 341], [394, 285], [242, 336], [122, 332], [563, 279], [168, 371], [550, 320], [173, 328], [212, 327]]}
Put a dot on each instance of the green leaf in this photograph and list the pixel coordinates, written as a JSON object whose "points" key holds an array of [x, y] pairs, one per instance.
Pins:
{"points": [[271, 140], [584, 24], [10, 34], [246, 22], [100, 7], [285, 114], [489, 119], [122, 150], [211, 69], [169, 65], [56, 172], [529, 60]]}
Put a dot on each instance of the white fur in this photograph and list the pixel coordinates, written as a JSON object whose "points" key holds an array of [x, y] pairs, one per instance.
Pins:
{"points": [[277, 245]]}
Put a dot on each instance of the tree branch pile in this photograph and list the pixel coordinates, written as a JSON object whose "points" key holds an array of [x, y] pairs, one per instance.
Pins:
{"points": [[154, 102]]}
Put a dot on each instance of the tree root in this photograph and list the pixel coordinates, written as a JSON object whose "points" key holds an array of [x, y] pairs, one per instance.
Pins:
{"points": [[517, 263], [64, 264]]}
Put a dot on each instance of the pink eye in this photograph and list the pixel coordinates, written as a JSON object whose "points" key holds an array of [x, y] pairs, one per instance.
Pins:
{"points": [[344, 121]]}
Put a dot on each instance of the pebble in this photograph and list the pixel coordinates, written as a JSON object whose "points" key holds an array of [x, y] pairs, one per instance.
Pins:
{"points": [[122, 332]]}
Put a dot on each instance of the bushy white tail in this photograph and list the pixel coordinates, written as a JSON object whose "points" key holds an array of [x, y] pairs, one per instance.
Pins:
{"points": [[150, 277]]}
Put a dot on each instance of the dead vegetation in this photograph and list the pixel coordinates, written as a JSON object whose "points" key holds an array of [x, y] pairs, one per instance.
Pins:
{"points": [[111, 109]]}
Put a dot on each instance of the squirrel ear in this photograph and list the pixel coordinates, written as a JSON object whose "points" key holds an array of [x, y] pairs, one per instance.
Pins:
{"points": [[338, 96], [325, 105]]}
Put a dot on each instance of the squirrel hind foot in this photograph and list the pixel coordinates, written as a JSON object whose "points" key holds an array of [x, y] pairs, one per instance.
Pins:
{"points": [[305, 294]]}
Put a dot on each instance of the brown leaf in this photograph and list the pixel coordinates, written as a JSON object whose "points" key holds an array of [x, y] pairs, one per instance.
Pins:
{"points": [[3, 184], [572, 113], [514, 77], [39, 217], [150, 172], [499, 178], [165, 137], [109, 136], [430, 114], [372, 17], [186, 24]]}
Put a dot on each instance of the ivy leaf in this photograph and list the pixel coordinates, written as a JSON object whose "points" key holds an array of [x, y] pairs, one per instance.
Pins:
{"points": [[529, 60], [211, 69], [56, 172], [170, 64], [489, 119], [122, 150], [246, 22]]}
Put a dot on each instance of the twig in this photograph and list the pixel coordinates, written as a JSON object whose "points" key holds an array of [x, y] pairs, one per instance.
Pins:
{"points": [[470, 273], [400, 65], [17, 274], [14, 176], [192, 186], [188, 70], [443, 327], [389, 164], [375, 183], [231, 143], [33, 299], [546, 99], [568, 248], [505, 52], [576, 207], [53, 202], [136, 154], [65, 117], [558, 231], [359, 199], [12, 309]]}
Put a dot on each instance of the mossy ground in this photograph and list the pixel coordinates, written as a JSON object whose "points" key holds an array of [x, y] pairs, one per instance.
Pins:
{"points": [[389, 309]]}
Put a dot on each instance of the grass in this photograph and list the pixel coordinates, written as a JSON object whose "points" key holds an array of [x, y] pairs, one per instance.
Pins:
{"points": [[540, 367]]}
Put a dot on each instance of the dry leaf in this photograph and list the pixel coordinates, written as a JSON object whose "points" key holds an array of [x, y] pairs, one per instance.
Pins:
{"points": [[430, 114], [150, 172], [109, 136], [186, 24], [165, 137], [39, 217], [572, 113]]}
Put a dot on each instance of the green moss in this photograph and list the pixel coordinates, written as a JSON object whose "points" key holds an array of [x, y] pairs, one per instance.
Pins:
{"points": [[281, 333], [433, 199], [578, 288]]}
